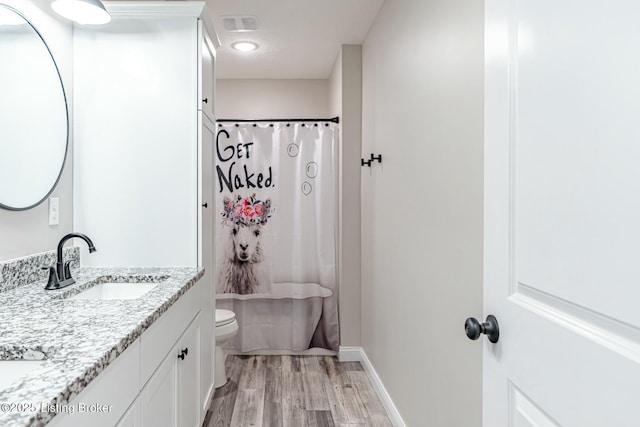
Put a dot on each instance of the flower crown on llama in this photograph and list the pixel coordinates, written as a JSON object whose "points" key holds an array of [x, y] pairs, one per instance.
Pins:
{"points": [[246, 211]]}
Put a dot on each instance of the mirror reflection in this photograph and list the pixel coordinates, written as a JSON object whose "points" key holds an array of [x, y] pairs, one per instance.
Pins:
{"points": [[33, 114]]}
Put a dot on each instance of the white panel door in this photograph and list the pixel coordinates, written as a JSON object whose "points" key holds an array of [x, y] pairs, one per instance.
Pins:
{"points": [[562, 209]]}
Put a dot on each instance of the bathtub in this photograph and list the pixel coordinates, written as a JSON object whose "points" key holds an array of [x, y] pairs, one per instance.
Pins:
{"points": [[284, 319]]}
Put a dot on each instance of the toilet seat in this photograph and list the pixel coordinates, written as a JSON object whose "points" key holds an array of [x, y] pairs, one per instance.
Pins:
{"points": [[224, 317], [226, 328]]}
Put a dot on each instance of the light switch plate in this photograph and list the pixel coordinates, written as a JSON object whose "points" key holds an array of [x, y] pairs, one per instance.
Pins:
{"points": [[54, 211]]}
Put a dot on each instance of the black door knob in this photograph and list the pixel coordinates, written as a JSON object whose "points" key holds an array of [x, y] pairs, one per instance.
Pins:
{"points": [[206, 100], [205, 205], [490, 328]]}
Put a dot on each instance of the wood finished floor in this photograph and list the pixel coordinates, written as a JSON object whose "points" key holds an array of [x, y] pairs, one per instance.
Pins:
{"points": [[295, 391]]}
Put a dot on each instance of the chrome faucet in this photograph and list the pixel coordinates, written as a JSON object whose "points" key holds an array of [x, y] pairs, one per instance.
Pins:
{"points": [[60, 276]]}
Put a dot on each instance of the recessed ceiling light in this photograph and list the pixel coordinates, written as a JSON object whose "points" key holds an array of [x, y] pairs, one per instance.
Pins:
{"points": [[244, 46]]}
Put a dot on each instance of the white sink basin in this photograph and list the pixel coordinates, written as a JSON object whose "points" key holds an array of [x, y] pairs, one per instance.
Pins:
{"points": [[109, 291], [13, 370]]}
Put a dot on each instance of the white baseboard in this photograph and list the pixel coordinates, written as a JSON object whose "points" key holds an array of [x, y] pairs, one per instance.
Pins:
{"points": [[349, 354], [357, 354]]}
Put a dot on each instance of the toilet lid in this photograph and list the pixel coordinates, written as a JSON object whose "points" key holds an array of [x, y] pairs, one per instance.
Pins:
{"points": [[224, 317]]}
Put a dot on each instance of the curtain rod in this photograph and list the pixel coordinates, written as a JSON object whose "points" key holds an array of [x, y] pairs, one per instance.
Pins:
{"points": [[333, 119]]}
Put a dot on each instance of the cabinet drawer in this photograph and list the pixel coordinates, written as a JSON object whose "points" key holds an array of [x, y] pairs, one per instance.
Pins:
{"points": [[156, 341]]}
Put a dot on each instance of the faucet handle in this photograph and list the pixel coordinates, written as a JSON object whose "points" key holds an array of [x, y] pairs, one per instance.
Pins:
{"points": [[53, 282], [67, 270]]}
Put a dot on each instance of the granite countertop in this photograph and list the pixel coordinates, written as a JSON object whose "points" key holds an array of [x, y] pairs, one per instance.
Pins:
{"points": [[76, 339]]}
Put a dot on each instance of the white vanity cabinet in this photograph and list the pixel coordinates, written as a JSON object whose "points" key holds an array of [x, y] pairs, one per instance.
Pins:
{"points": [[144, 129], [170, 365], [170, 398], [106, 398], [155, 382]]}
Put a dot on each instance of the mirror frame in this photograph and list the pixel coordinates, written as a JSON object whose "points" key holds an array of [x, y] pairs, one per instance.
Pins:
{"points": [[66, 109]]}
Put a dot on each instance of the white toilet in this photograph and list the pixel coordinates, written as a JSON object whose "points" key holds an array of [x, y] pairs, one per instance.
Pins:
{"points": [[226, 328]]}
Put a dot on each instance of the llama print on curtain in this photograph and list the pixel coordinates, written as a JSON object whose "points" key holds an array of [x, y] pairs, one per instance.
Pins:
{"points": [[242, 265], [275, 237]]}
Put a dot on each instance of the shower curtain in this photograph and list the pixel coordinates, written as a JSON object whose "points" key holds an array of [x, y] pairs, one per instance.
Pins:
{"points": [[275, 234]]}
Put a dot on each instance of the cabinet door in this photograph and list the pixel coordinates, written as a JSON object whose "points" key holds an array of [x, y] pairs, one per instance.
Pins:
{"points": [[116, 387], [159, 395], [207, 341], [207, 80], [133, 416], [188, 358]]}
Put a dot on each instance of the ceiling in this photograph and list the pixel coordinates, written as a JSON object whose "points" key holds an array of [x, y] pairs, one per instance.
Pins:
{"points": [[298, 39]]}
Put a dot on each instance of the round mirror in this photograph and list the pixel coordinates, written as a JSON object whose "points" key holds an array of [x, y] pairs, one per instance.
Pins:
{"points": [[34, 120]]}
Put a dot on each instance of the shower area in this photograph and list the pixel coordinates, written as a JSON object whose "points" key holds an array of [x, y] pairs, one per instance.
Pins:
{"points": [[275, 233]]}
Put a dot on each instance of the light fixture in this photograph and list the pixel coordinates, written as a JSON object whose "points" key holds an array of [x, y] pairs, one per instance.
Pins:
{"points": [[82, 11], [244, 46]]}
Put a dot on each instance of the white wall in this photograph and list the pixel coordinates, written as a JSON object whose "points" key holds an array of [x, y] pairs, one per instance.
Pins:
{"points": [[135, 179], [346, 102], [27, 232], [335, 87], [271, 99], [422, 208]]}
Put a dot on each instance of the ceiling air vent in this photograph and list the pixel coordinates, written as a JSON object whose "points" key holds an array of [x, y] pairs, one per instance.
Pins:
{"points": [[240, 23]]}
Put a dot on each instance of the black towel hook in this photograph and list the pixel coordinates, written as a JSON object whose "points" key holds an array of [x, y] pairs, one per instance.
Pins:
{"points": [[372, 159]]}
